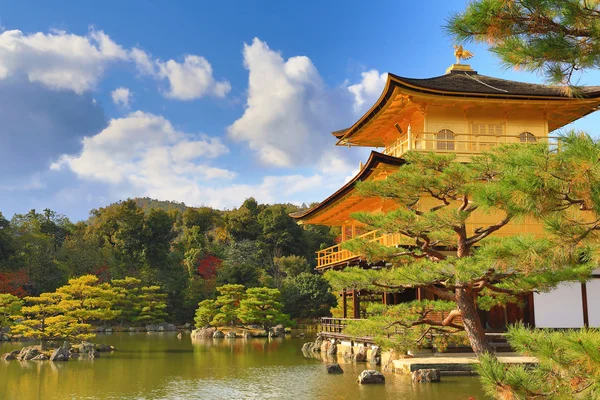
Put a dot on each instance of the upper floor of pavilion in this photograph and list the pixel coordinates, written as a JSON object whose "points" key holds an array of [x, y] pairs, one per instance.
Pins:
{"points": [[466, 113]]}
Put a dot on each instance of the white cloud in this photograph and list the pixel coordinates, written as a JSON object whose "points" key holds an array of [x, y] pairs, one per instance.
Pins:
{"points": [[368, 90], [145, 152], [290, 111], [191, 79], [121, 96], [58, 60]]}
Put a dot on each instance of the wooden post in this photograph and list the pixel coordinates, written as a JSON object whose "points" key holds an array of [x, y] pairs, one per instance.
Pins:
{"points": [[409, 136], [343, 232], [344, 304], [355, 304], [384, 298], [586, 319], [353, 229]]}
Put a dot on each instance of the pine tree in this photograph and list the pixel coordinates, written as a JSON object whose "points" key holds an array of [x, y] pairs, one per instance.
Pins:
{"points": [[10, 308], [205, 313], [87, 300], [556, 37], [437, 197], [568, 368], [43, 319], [153, 304], [228, 302], [261, 306]]}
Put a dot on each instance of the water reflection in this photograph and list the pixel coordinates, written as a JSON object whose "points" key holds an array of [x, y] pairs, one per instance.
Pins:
{"points": [[160, 366]]}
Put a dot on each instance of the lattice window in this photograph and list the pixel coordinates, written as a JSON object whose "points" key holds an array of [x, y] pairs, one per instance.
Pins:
{"points": [[445, 140], [527, 137]]}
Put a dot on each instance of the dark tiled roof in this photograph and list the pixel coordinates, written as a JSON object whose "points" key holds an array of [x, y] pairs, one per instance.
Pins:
{"points": [[461, 82], [340, 133]]}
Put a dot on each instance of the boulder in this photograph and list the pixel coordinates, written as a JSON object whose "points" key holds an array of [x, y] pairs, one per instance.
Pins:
{"points": [[272, 335], [334, 369], [369, 376], [218, 335], [179, 336], [10, 356], [301, 335], [74, 355], [108, 330], [278, 330], [348, 355], [246, 335], [60, 354], [40, 357], [27, 353], [375, 355], [361, 354], [151, 328], [426, 375], [202, 333], [318, 343], [103, 348], [165, 327], [230, 335], [94, 354], [87, 347]]}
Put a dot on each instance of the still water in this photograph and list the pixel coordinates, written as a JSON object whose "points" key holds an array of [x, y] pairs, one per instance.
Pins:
{"points": [[160, 366]]}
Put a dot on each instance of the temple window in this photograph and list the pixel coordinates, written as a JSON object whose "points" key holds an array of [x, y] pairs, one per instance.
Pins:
{"points": [[445, 140], [527, 137]]}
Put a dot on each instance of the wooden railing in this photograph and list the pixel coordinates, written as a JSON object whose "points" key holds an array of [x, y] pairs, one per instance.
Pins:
{"points": [[336, 254], [461, 143], [334, 325]]}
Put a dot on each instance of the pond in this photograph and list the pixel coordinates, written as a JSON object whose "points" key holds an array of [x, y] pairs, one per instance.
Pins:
{"points": [[161, 366]]}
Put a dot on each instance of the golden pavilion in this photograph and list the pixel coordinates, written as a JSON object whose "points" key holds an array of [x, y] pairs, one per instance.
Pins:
{"points": [[464, 113]]}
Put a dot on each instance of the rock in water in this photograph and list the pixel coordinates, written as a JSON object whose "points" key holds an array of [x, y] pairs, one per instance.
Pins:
{"points": [[230, 335], [40, 357], [10, 356], [218, 335], [426, 375], [332, 351], [361, 354], [202, 333], [334, 369], [246, 335], [179, 336], [369, 376], [375, 355], [27, 353], [307, 346], [60, 354]]}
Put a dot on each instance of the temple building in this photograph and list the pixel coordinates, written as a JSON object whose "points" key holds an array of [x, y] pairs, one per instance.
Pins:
{"points": [[464, 113]]}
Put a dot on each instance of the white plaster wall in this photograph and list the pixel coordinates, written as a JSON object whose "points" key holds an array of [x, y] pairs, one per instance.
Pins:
{"points": [[560, 308], [593, 302]]}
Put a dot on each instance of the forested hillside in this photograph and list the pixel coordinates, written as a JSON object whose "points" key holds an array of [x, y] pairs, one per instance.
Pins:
{"points": [[186, 251]]}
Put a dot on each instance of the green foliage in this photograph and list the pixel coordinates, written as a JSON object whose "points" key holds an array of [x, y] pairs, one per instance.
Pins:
{"points": [[228, 302], [437, 198], [153, 305], [261, 306], [86, 300], [138, 304], [10, 309], [206, 312], [556, 37], [307, 296], [43, 320], [569, 366]]}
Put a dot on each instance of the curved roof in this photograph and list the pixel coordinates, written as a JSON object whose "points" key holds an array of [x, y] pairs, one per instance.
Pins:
{"points": [[374, 160], [467, 84]]}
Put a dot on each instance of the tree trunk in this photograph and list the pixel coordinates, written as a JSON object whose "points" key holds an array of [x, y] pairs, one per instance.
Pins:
{"points": [[465, 302]]}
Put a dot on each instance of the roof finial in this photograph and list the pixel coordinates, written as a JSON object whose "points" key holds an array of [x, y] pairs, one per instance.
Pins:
{"points": [[461, 54]]}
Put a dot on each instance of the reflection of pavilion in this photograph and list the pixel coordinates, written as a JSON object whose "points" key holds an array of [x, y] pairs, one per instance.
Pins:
{"points": [[462, 113]]}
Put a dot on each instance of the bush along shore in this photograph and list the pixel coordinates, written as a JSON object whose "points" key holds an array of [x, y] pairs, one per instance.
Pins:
{"points": [[245, 332], [64, 352]]}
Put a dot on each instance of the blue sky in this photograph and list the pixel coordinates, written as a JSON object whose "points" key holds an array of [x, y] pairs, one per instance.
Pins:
{"points": [[202, 102]]}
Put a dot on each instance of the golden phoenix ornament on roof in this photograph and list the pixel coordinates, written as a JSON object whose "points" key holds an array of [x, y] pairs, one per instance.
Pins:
{"points": [[461, 54]]}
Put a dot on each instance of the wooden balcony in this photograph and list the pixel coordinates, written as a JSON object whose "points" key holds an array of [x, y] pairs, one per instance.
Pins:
{"points": [[336, 255], [460, 143]]}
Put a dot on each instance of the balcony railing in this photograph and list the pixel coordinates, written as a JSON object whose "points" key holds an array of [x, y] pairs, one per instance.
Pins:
{"points": [[461, 143], [336, 254]]}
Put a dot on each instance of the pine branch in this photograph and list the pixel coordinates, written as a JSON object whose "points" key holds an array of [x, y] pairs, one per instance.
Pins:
{"points": [[483, 233]]}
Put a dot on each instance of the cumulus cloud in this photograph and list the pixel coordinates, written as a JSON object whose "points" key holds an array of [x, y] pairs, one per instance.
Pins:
{"points": [[188, 80], [145, 152], [290, 111], [368, 90], [121, 96], [191, 79], [58, 60]]}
